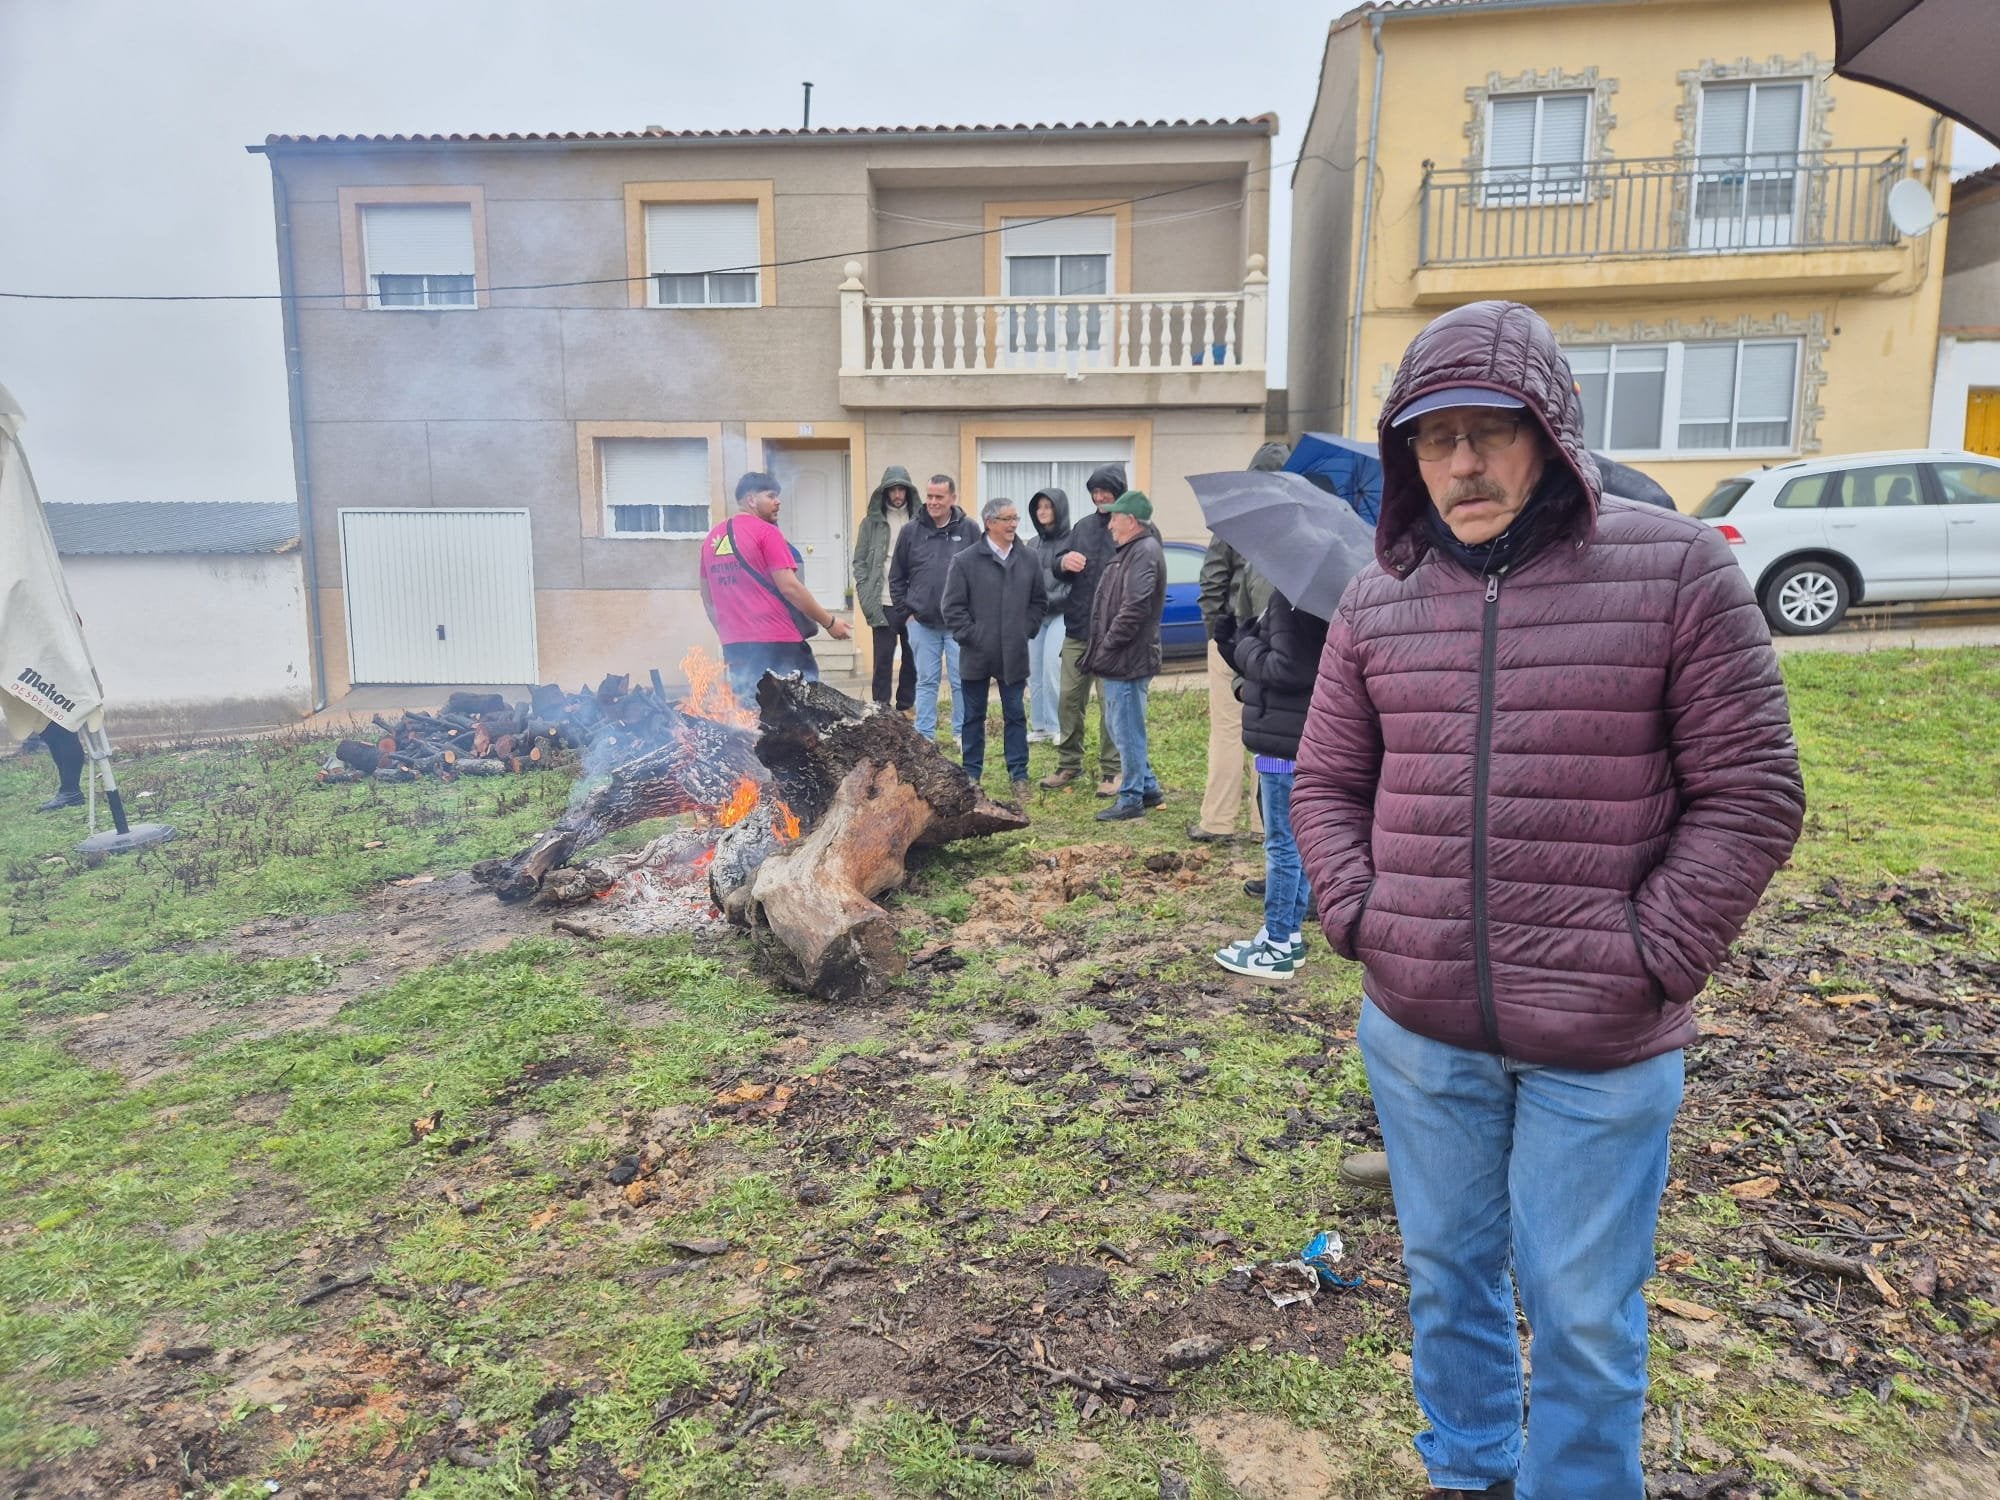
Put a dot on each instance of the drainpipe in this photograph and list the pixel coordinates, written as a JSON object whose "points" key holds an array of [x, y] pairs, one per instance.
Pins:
{"points": [[295, 391], [1367, 227]]}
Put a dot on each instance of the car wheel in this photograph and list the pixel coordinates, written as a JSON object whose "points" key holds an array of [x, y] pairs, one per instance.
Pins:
{"points": [[1807, 598]]}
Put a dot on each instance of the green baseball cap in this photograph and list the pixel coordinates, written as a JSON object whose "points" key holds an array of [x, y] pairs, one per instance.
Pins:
{"points": [[1132, 503]]}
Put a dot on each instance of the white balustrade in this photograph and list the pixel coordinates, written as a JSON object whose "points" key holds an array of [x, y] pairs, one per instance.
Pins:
{"points": [[1080, 335]]}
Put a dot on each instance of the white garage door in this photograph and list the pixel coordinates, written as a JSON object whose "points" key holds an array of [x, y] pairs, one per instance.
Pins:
{"points": [[439, 596]]}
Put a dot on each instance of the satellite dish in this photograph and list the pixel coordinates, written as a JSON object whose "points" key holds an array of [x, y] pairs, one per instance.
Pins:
{"points": [[1911, 208]]}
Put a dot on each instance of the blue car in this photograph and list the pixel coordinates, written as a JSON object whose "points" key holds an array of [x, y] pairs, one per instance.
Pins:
{"points": [[1181, 632]]}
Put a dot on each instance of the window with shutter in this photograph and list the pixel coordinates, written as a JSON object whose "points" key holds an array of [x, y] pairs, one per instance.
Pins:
{"points": [[418, 254], [1057, 258], [1695, 398], [1536, 145], [703, 254], [654, 486]]}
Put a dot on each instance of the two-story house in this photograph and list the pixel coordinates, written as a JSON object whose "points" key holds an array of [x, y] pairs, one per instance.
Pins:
{"points": [[1965, 409], [526, 370], [1681, 187]]}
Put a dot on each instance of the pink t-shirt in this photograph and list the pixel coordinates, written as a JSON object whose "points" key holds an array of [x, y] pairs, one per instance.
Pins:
{"points": [[744, 609]]}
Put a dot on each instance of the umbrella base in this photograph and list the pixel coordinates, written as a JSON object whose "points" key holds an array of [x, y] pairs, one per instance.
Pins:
{"points": [[139, 836]]}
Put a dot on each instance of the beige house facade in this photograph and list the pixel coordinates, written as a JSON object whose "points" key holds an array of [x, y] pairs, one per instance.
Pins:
{"points": [[1965, 404], [1682, 187], [526, 371]]}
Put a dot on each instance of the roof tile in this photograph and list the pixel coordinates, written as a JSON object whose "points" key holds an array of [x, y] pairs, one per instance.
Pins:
{"points": [[132, 528]]}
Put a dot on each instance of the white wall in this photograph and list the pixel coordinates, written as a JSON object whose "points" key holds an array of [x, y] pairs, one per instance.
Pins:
{"points": [[1961, 365], [195, 642]]}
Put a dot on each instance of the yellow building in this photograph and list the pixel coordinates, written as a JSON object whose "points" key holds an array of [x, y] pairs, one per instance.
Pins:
{"points": [[1681, 187]]}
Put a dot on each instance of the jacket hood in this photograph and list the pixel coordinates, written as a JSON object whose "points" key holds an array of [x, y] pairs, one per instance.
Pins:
{"points": [[1061, 503], [1111, 477], [894, 475], [1501, 346]]}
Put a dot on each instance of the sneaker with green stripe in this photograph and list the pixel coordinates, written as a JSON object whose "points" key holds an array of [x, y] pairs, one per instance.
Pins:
{"points": [[1261, 958]]}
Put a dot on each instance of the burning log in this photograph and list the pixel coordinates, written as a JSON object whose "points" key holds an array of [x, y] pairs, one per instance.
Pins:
{"points": [[864, 787], [700, 767]]}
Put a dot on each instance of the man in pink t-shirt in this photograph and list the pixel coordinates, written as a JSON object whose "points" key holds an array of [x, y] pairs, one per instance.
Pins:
{"points": [[751, 588]]}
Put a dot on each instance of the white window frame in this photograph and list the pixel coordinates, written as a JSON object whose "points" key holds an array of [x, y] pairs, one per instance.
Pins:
{"points": [[754, 270], [1053, 451], [371, 278], [1670, 398], [1536, 189], [609, 529]]}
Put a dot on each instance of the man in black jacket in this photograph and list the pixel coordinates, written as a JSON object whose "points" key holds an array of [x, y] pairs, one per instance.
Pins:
{"points": [[993, 605], [1090, 548], [917, 570], [1124, 649]]}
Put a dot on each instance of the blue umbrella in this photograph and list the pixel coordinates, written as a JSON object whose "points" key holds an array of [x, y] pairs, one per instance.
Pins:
{"points": [[1353, 466]]}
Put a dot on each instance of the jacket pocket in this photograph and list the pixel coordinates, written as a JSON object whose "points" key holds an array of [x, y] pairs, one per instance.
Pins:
{"points": [[1639, 946], [1360, 915]]}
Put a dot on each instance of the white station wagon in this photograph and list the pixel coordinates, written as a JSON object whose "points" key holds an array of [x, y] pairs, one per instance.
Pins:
{"points": [[1821, 535]]}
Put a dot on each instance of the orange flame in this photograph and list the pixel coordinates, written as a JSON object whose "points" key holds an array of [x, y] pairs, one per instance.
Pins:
{"points": [[737, 808], [708, 695], [785, 826]]}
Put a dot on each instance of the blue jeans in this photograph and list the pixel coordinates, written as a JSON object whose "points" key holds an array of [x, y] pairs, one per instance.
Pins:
{"points": [[1045, 677], [1287, 894], [937, 656], [748, 661], [1125, 717], [1556, 1175], [972, 726]]}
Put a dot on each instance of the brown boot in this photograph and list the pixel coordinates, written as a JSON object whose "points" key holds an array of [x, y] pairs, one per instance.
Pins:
{"points": [[1055, 781], [1108, 787]]}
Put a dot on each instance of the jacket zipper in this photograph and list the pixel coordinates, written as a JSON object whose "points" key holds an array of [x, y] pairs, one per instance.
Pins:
{"points": [[1482, 754]]}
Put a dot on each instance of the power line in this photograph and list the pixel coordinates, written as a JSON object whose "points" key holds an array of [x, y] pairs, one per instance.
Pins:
{"points": [[800, 260]]}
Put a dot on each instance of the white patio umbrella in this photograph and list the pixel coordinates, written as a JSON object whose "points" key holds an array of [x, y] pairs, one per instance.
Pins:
{"points": [[46, 674]]}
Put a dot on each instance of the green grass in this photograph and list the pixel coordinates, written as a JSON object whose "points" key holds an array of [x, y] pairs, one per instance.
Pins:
{"points": [[197, 1203]]}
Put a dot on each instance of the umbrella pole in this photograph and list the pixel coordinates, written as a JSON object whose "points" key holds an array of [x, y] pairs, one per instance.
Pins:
{"points": [[123, 836]]}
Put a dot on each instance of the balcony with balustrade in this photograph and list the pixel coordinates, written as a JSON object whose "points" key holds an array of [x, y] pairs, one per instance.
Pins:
{"points": [[1789, 221], [1142, 349]]}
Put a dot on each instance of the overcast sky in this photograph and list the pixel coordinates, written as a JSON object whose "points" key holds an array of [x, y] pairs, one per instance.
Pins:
{"points": [[123, 124]]}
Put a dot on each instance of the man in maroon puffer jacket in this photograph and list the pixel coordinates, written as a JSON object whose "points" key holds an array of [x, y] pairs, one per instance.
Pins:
{"points": [[1547, 772]]}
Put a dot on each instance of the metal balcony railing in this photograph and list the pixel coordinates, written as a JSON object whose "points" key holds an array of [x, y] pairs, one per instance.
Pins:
{"points": [[1659, 206]]}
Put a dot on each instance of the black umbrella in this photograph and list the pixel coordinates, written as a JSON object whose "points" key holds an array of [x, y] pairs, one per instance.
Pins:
{"points": [[1944, 53], [1305, 541]]}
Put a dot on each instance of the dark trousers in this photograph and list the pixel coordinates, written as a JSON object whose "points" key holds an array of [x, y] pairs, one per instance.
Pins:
{"points": [[1013, 720], [66, 750], [748, 661], [887, 642]]}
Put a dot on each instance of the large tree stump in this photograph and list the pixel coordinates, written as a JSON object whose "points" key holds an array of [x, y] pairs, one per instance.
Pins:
{"points": [[866, 788]]}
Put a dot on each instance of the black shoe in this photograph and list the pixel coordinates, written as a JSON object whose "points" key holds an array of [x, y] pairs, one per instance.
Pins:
{"points": [[1253, 887], [61, 800], [1153, 799], [1501, 1491], [1201, 835], [1120, 812]]}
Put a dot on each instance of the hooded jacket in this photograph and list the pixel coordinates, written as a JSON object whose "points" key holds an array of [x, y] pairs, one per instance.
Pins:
{"points": [[871, 544], [921, 559], [1538, 805], [1276, 657], [992, 609], [1125, 611], [1049, 543], [1092, 537]]}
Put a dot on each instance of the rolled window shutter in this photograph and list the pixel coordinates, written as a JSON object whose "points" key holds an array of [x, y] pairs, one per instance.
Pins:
{"points": [[1774, 126], [689, 238], [654, 471], [1564, 119], [1708, 382], [417, 239], [1769, 379], [1510, 133], [1090, 234], [1725, 119]]}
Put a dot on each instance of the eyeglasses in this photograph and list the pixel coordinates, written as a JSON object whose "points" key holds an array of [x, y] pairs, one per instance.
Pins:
{"points": [[1487, 436]]}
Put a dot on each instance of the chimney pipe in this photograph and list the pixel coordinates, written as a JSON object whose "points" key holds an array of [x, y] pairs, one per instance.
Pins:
{"points": [[808, 121]]}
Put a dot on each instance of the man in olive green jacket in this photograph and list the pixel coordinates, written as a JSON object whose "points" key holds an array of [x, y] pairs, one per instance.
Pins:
{"points": [[889, 510]]}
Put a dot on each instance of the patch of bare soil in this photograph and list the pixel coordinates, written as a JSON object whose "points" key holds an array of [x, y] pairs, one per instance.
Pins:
{"points": [[397, 929]]}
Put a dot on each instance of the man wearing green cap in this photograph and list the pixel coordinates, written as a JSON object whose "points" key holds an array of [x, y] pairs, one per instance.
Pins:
{"points": [[1124, 650]]}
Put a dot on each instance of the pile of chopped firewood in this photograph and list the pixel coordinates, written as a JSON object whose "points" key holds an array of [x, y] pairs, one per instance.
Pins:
{"points": [[482, 734]]}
